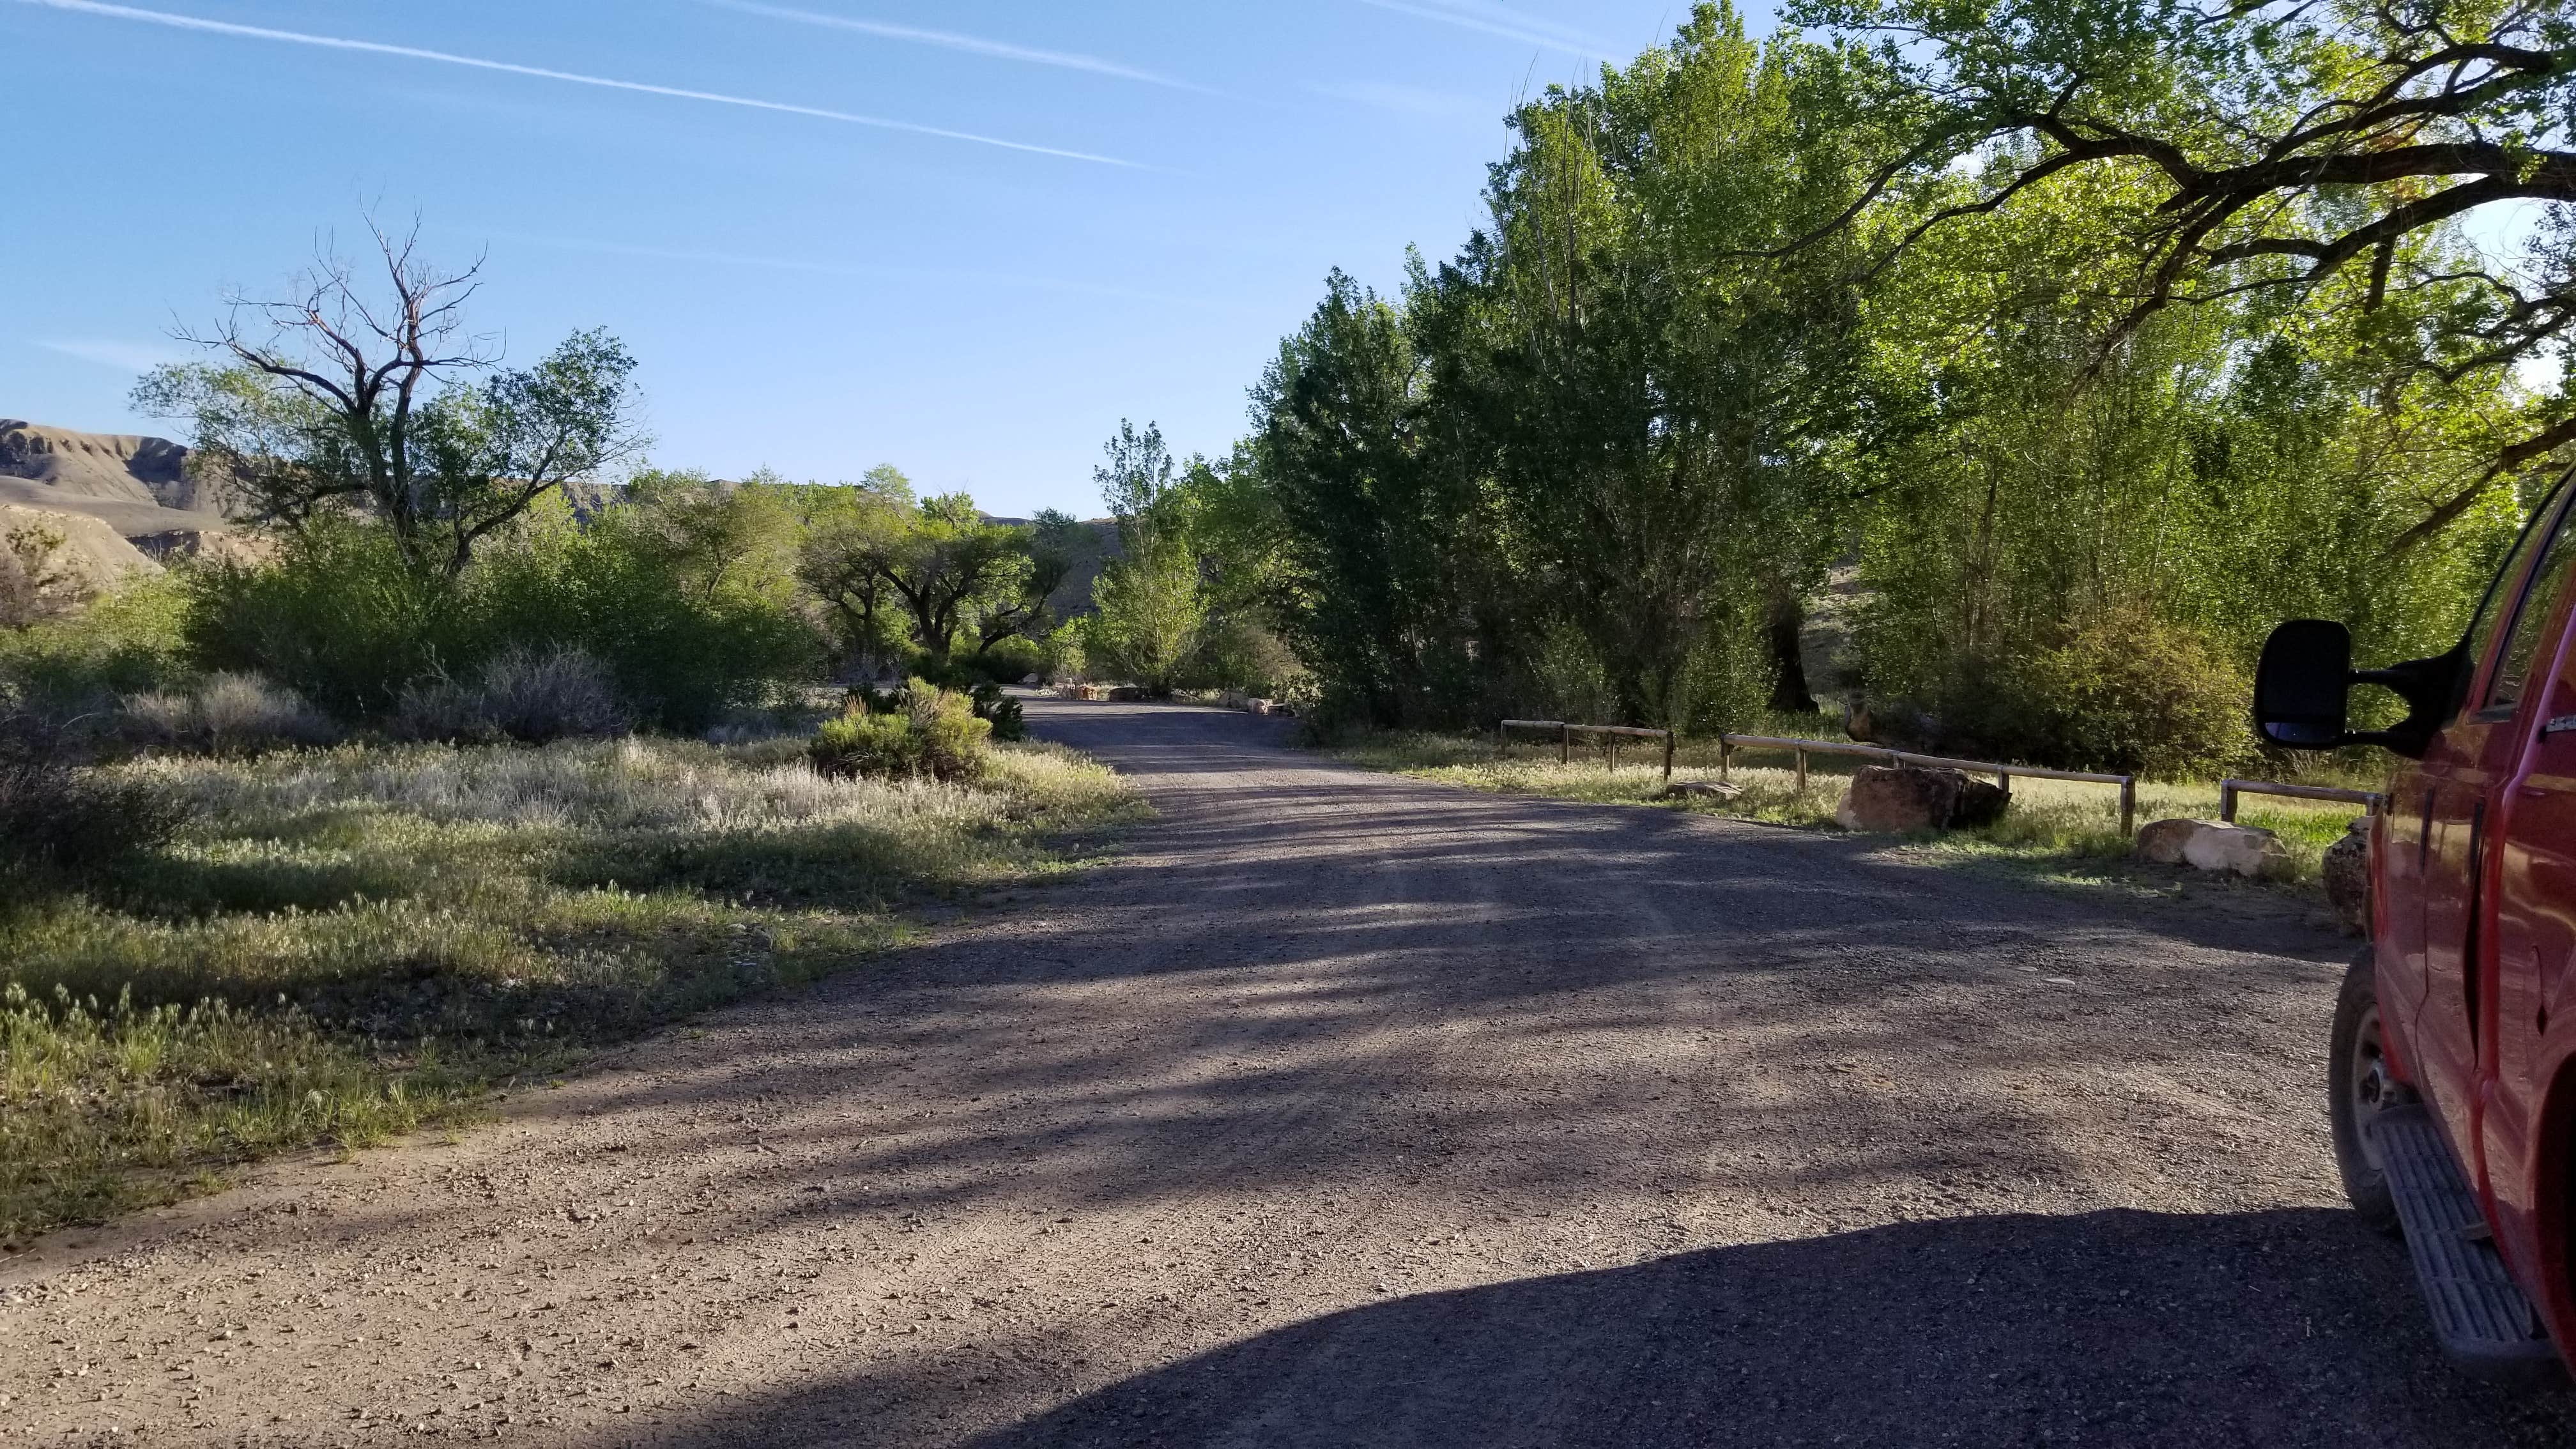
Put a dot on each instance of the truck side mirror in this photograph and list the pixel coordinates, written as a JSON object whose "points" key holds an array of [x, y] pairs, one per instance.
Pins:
{"points": [[2299, 687], [2306, 671]]}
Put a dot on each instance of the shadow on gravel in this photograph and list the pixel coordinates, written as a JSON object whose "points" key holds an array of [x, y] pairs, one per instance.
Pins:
{"points": [[1316, 982], [2116, 1328]]}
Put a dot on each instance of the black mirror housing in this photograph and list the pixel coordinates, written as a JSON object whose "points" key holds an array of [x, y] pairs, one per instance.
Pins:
{"points": [[2306, 672], [2300, 685]]}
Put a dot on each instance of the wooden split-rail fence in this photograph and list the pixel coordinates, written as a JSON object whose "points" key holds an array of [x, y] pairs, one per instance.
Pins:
{"points": [[1727, 744]]}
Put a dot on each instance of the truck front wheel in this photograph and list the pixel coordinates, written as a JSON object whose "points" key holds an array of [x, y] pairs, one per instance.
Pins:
{"points": [[2361, 1087]]}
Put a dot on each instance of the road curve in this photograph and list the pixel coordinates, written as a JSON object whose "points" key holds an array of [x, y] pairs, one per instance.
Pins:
{"points": [[1342, 1109]]}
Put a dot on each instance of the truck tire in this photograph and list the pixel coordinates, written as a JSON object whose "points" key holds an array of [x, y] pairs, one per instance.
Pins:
{"points": [[2358, 1087]]}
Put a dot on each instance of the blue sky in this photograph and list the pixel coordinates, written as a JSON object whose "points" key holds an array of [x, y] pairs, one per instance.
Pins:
{"points": [[965, 238]]}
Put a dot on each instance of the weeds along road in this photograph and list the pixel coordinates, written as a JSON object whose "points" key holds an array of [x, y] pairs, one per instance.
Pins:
{"points": [[1348, 1110]]}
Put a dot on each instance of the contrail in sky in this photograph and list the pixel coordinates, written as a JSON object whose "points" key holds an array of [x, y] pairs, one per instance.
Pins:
{"points": [[972, 45], [834, 269], [330, 42], [1495, 20]]}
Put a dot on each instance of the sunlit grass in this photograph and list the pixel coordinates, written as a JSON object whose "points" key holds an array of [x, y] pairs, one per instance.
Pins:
{"points": [[2057, 825], [352, 943]]}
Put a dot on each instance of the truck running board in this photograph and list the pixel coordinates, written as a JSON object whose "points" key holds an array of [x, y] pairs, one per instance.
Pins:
{"points": [[2485, 1323]]}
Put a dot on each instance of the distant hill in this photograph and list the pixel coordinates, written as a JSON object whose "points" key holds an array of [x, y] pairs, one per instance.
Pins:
{"points": [[120, 502], [117, 501]]}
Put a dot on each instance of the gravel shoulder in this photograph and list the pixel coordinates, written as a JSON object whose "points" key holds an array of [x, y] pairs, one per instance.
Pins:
{"points": [[1345, 1109]]}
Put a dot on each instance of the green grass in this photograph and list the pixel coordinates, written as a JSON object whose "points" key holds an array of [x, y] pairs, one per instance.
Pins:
{"points": [[2056, 827], [356, 943]]}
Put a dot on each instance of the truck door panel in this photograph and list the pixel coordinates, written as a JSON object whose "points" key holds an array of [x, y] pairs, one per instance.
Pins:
{"points": [[2532, 927], [2469, 771]]}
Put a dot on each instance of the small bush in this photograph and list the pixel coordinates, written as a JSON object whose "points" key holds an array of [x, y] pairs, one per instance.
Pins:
{"points": [[864, 743], [954, 740], [525, 695], [227, 714], [63, 823], [1001, 711], [558, 694], [921, 730]]}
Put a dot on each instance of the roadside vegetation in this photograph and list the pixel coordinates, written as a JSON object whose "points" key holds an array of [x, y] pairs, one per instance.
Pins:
{"points": [[488, 747], [331, 946]]}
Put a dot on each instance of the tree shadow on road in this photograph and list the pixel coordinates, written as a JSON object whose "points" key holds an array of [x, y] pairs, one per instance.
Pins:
{"points": [[2291, 1327]]}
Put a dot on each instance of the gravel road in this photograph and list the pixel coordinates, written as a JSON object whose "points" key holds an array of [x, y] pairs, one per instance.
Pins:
{"points": [[1343, 1109]]}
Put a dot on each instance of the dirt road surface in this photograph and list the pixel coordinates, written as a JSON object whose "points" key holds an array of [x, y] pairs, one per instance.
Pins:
{"points": [[1348, 1110]]}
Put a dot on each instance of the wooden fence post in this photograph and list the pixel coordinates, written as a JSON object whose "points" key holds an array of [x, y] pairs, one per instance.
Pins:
{"points": [[1668, 757], [1802, 772], [1725, 756], [1564, 743], [2128, 805]]}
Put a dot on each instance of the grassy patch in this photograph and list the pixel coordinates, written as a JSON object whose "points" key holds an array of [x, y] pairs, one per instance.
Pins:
{"points": [[352, 943], [2060, 828]]}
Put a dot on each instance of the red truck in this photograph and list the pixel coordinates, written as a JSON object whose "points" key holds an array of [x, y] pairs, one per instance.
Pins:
{"points": [[2452, 1078]]}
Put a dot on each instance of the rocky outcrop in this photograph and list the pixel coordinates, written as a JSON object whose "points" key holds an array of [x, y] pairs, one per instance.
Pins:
{"points": [[119, 466], [2347, 877], [1907, 799], [142, 489], [2214, 845], [75, 546]]}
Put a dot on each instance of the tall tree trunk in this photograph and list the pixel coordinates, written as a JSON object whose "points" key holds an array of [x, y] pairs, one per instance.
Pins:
{"points": [[1788, 618]]}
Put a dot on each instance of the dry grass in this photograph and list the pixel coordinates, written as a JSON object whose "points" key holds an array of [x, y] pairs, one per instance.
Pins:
{"points": [[351, 943], [2059, 827]]}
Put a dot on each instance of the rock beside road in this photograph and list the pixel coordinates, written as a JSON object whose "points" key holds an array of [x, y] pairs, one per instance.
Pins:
{"points": [[2347, 877], [1979, 803], [2214, 845], [1907, 799]]}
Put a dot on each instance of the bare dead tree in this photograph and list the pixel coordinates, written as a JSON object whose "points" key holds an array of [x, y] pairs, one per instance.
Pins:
{"points": [[350, 397]]}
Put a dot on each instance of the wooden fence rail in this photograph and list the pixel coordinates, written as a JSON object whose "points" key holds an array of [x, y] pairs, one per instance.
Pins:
{"points": [[2371, 801], [1566, 732], [1728, 744]]}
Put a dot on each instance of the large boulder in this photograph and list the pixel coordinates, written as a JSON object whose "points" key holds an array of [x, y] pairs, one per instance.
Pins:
{"points": [[2214, 845], [1900, 799], [2161, 841], [2347, 877]]}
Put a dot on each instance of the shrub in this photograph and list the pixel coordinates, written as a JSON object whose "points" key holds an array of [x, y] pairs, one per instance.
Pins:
{"points": [[340, 617], [2123, 691], [866, 743], [336, 615], [532, 696], [125, 643], [954, 741], [63, 823], [36, 584], [556, 694], [1001, 711], [683, 651], [1008, 661], [227, 714], [921, 730]]}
